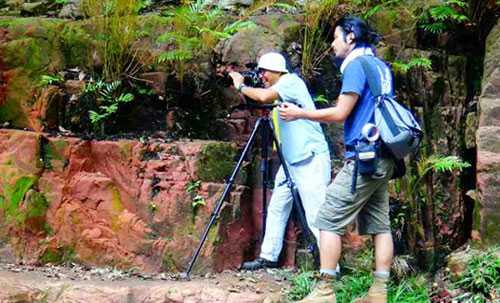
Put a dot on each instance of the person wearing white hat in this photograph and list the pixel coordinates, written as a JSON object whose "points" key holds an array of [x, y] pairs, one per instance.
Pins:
{"points": [[304, 148]]}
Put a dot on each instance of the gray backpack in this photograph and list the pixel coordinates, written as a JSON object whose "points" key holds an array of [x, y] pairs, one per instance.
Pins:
{"points": [[399, 130]]}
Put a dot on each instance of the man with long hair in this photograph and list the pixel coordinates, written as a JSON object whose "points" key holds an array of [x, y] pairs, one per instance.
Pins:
{"points": [[369, 201]]}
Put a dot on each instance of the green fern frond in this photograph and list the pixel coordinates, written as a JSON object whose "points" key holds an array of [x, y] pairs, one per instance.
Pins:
{"points": [[125, 98], [196, 6], [459, 3], [238, 25], [167, 37], [438, 18], [447, 164], [404, 67], [174, 55], [372, 11], [434, 28], [214, 33], [442, 13]]}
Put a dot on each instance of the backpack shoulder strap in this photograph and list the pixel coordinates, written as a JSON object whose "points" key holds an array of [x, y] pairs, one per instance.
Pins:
{"points": [[372, 76]]}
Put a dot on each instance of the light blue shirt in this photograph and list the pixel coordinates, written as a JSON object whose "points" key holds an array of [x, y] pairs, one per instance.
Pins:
{"points": [[300, 139]]}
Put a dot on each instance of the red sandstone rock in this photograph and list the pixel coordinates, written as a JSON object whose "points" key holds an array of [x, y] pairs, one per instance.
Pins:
{"points": [[113, 206]]}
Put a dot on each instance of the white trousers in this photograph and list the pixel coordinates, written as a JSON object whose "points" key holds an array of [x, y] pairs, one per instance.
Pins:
{"points": [[311, 177]]}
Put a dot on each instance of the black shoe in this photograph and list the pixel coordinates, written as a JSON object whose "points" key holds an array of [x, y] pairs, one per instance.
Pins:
{"points": [[258, 264]]}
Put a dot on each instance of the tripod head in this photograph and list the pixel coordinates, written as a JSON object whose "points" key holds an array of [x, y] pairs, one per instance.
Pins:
{"points": [[250, 105]]}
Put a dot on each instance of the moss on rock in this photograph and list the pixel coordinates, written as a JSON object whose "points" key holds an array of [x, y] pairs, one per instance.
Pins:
{"points": [[20, 203], [216, 162], [77, 45], [62, 254]]}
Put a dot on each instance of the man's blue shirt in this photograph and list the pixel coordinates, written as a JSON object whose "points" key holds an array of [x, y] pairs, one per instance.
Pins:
{"points": [[354, 81]]}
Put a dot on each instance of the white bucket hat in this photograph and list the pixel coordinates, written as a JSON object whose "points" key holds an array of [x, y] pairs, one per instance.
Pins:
{"points": [[274, 62]]}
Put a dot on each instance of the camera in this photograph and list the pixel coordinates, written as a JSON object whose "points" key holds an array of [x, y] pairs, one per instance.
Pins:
{"points": [[252, 78]]}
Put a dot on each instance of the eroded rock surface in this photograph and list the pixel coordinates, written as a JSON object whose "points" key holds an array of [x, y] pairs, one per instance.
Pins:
{"points": [[122, 203], [488, 142]]}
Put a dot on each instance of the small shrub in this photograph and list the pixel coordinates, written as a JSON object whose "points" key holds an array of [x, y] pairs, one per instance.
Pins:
{"points": [[116, 30], [302, 284], [411, 290], [417, 62], [197, 200], [482, 276], [51, 80], [439, 18], [315, 46], [195, 32], [353, 285], [108, 98]]}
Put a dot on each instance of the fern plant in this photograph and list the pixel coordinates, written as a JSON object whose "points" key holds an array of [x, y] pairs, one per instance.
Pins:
{"points": [[439, 18], [416, 62], [437, 164], [314, 45], [109, 98], [424, 200], [46, 80], [195, 32], [116, 30]]}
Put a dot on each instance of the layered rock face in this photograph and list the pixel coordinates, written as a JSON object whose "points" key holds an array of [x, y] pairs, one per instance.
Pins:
{"points": [[488, 142], [122, 203]]}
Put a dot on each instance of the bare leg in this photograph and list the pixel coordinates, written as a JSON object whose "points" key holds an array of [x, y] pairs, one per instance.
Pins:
{"points": [[384, 251], [330, 249]]}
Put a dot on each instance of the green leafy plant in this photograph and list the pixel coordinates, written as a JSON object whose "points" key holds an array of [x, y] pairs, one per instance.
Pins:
{"points": [[116, 30], [315, 46], [14, 195], [193, 186], [439, 18], [108, 98], [411, 290], [194, 32], [353, 285], [482, 275], [301, 285], [418, 188], [416, 62], [321, 99], [60, 2], [438, 164], [197, 200], [51, 80], [153, 208], [372, 10], [357, 278]]}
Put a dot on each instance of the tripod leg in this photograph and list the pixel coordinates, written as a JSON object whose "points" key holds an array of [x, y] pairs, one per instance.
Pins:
{"points": [[264, 169], [218, 206], [298, 209]]}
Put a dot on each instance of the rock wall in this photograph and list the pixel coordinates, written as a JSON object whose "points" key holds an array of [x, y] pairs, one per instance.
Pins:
{"points": [[122, 203], [488, 142]]}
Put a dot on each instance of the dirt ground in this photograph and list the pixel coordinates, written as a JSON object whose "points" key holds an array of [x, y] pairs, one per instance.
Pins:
{"points": [[75, 283]]}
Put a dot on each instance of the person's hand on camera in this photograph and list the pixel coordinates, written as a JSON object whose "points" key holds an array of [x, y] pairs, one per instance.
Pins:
{"points": [[237, 79], [289, 111], [224, 70]]}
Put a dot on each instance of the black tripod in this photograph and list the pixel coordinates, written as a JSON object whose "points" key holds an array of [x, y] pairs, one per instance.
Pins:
{"points": [[264, 127]]}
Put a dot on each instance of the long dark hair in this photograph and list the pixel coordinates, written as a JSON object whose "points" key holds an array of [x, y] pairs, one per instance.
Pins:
{"points": [[365, 36]]}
